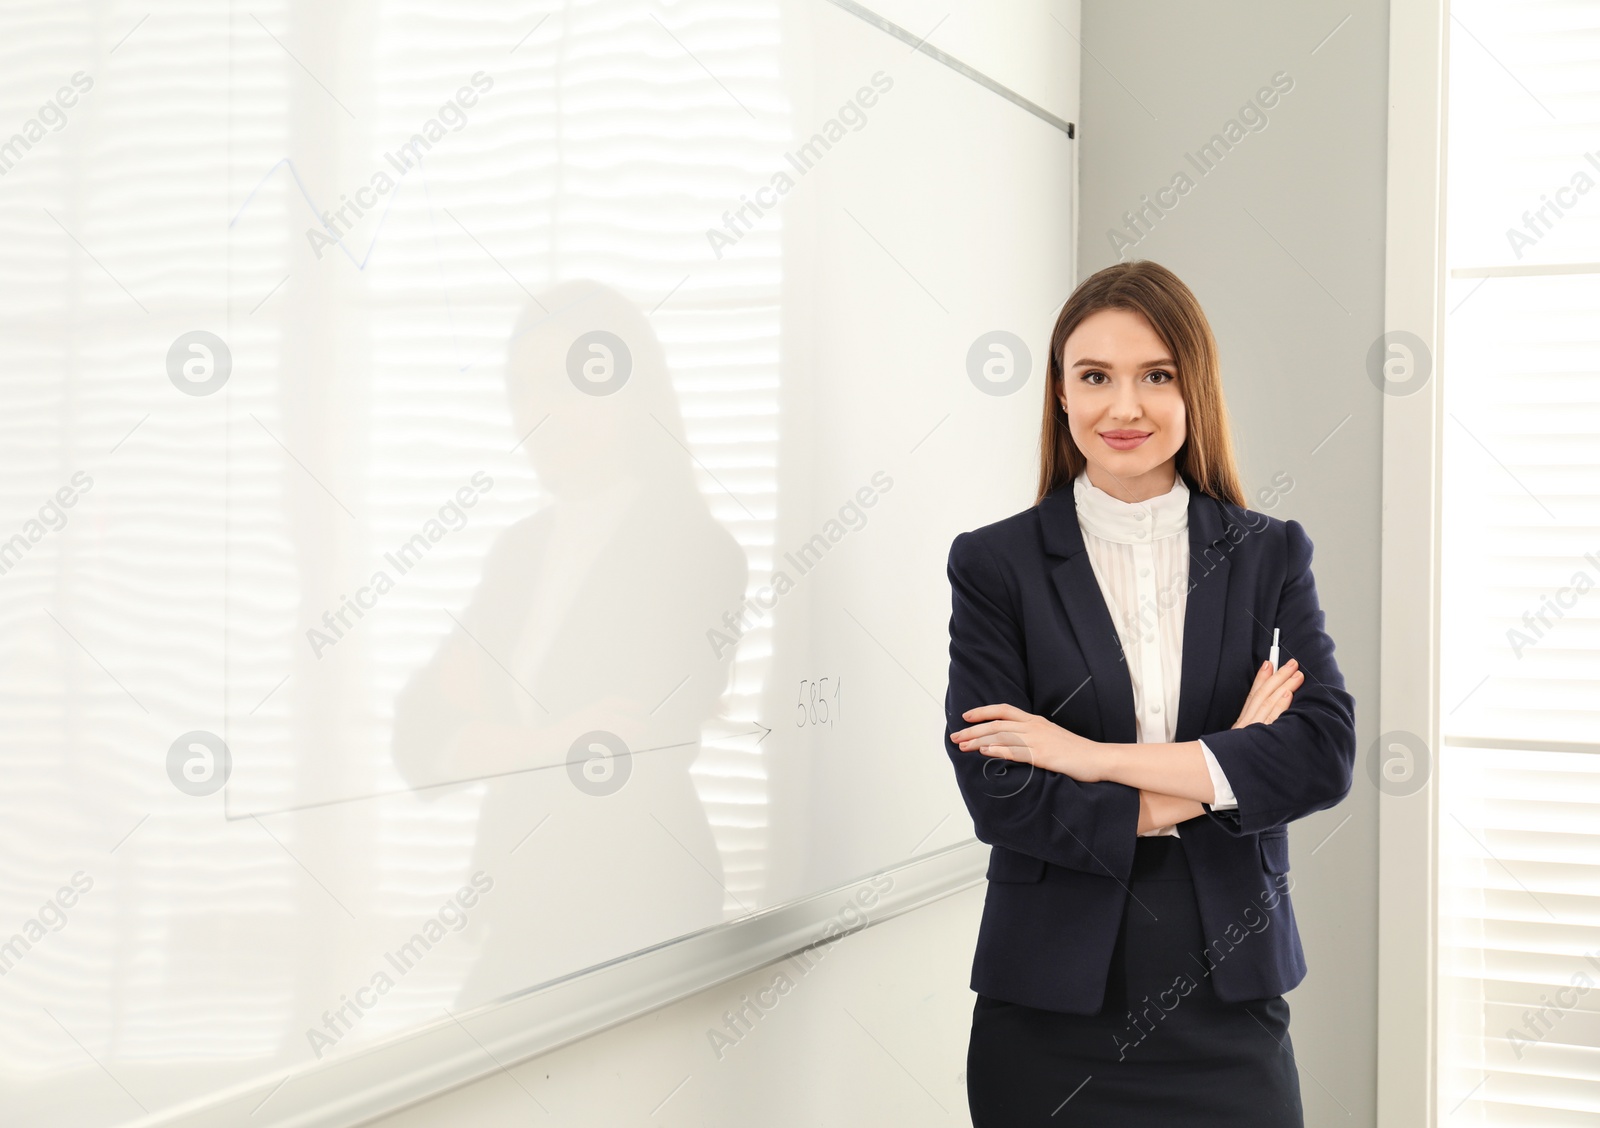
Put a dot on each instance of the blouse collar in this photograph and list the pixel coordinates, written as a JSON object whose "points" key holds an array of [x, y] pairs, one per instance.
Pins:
{"points": [[1131, 522]]}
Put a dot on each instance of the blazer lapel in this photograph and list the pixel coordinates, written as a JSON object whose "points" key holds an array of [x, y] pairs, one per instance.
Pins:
{"points": [[1204, 611], [1075, 582], [1205, 606]]}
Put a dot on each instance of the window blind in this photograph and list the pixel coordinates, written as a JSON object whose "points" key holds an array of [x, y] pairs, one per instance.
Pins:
{"points": [[1519, 771]]}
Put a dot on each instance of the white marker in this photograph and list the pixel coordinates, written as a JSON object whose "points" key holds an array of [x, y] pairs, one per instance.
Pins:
{"points": [[1272, 655]]}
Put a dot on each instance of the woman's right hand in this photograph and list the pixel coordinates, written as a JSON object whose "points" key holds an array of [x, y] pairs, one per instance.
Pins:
{"points": [[1270, 694]]}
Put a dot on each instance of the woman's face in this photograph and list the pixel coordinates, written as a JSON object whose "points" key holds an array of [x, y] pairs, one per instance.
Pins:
{"points": [[1123, 406]]}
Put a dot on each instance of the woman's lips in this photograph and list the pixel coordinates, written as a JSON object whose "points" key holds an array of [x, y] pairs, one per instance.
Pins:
{"points": [[1124, 440]]}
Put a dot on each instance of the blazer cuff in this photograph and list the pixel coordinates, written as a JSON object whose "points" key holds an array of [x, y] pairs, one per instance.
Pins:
{"points": [[1225, 799]]}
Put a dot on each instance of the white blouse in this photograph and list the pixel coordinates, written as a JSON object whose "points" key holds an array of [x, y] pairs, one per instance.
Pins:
{"points": [[1140, 554]]}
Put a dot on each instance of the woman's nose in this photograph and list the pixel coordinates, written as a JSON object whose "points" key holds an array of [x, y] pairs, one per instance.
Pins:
{"points": [[1126, 404]]}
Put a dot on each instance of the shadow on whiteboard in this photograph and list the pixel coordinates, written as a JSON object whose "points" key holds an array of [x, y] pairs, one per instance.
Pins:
{"points": [[579, 675]]}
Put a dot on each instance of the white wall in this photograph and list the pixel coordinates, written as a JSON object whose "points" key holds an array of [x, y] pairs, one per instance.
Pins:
{"points": [[874, 1033]]}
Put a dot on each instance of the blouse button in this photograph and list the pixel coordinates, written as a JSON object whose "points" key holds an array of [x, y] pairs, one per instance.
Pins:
{"points": [[1144, 571], [1155, 708]]}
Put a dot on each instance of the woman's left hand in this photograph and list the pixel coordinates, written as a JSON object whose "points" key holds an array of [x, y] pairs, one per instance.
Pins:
{"points": [[1008, 733]]}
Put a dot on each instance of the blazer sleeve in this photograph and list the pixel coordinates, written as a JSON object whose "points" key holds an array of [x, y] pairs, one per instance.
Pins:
{"points": [[1303, 761], [1084, 826]]}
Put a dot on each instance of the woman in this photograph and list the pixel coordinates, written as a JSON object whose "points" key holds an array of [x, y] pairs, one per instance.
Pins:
{"points": [[1125, 747]]}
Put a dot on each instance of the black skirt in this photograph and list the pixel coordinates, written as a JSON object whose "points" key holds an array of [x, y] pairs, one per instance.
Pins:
{"points": [[1163, 1050]]}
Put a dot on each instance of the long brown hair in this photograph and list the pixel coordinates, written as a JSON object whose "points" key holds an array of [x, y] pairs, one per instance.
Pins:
{"points": [[1206, 457]]}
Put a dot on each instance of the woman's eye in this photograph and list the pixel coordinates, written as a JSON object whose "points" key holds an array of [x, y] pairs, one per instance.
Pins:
{"points": [[1089, 377]]}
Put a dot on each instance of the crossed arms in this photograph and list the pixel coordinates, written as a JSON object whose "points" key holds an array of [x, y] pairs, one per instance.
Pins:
{"points": [[1037, 788]]}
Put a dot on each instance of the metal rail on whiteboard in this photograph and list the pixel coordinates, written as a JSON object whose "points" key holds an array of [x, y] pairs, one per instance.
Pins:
{"points": [[459, 1048], [920, 43]]}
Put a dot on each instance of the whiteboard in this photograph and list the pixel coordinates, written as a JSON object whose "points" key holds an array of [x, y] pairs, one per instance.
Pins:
{"points": [[477, 489]]}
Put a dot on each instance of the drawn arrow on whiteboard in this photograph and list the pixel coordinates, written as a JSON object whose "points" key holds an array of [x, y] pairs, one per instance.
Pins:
{"points": [[360, 264]]}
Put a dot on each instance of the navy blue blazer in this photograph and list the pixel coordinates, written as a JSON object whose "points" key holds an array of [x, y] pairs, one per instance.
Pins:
{"points": [[1029, 627]]}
